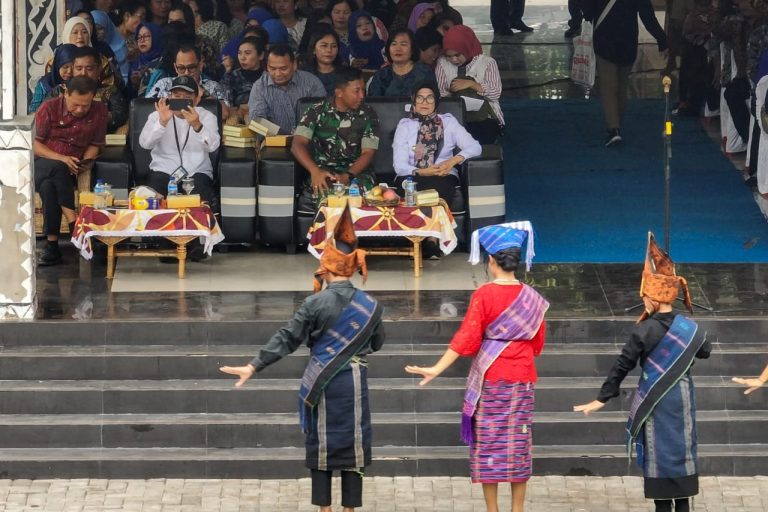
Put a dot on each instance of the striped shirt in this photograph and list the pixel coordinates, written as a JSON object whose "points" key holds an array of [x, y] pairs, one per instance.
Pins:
{"points": [[278, 103], [483, 70]]}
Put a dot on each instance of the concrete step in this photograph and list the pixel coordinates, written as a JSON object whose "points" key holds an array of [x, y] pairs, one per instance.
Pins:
{"points": [[159, 362], [403, 395], [182, 331], [253, 430], [606, 460]]}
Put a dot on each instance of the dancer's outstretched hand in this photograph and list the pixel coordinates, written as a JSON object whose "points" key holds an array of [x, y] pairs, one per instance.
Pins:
{"points": [[428, 373], [751, 384], [243, 372], [593, 406]]}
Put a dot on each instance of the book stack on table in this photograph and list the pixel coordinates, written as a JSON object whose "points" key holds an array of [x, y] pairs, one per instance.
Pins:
{"points": [[238, 136], [115, 139]]}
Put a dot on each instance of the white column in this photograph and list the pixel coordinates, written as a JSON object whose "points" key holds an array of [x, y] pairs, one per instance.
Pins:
{"points": [[18, 296], [7, 59]]}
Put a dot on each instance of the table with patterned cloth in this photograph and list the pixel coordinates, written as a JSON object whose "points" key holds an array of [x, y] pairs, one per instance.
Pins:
{"points": [[412, 223], [112, 226]]}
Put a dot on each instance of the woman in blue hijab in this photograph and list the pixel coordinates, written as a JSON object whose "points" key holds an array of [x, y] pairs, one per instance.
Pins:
{"points": [[61, 71], [150, 43], [278, 34], [115, 41], [365, 46]]}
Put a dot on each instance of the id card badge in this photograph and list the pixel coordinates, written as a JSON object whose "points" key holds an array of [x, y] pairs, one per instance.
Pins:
{"points": [[179, 174]]}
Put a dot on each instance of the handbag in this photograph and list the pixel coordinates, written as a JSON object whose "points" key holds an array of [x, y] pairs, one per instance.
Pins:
{"points": [[583, 62]]}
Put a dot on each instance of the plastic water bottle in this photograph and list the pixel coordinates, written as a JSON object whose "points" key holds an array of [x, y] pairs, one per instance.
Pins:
{"points": [[410, 191], [173, 187], [355, 199], [100, 200]]}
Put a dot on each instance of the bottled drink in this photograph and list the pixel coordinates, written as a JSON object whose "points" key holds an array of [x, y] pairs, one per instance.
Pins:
{"points": [[410, 191], [355, 199], [173, 187], [100, 200]]}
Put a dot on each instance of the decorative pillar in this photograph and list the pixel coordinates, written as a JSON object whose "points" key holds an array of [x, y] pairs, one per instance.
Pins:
{"points": [[18, 297]]}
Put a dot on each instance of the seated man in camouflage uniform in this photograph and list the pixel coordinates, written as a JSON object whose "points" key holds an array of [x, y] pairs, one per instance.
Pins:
{"points": [[336, 139]]}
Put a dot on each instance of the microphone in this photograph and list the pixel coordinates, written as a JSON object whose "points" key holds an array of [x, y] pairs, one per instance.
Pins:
{"points": [[666, 82]]}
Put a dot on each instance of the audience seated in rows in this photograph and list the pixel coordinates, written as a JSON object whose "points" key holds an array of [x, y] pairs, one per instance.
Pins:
{"points": [[275, 94], [70, 131], [336, 139]]}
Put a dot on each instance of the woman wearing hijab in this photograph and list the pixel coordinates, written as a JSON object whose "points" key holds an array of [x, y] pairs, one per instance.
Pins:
{"points": [[61, 71], [366, 49], [425, 143], [77, 31], [278, 34], [464, 71], [149, 39], [115, 41], [421, 15], [503, 331]]}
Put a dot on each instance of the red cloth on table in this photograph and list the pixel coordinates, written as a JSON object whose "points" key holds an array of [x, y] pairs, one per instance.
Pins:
{"points": [[66, 134], [516, 363]]}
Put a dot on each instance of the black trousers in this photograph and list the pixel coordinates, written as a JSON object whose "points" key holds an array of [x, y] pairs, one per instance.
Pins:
{"points": [[351, 488], [506, 13], [56, 186], [695, 76], [203, 186], [445, 185], [736, 95], [681, 505]]}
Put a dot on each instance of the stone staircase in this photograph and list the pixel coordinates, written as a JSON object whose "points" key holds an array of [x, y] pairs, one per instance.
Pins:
{"points": [[108, 400]]}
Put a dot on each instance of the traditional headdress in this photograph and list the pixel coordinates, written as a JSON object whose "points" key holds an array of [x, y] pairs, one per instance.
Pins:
{"points": [[503, 236], [659, 281], [341, 255]]}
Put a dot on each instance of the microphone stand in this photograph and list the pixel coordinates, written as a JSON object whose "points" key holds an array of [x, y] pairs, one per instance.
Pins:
{"points": [[667, 82]]}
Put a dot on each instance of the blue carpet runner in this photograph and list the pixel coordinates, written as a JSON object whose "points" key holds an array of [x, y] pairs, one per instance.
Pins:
{"points": [[590, 203]]}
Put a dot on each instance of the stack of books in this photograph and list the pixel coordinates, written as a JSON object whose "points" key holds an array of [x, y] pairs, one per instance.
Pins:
{"points": [[116, 139], [238, 136], [263, 127]]}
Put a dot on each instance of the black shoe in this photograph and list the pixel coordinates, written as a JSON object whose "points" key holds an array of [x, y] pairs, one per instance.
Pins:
{"points": [[51, 256], [522, 27], [614, 137], [503, 32], [751, 182], [430, 250], [573, 32], [196, 253]]}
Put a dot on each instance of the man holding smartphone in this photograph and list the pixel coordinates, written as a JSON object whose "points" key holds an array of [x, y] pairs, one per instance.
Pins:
{"points": [[70, 133], [181, 137]]}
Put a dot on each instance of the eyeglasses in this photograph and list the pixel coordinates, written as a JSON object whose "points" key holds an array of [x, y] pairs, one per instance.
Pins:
{"points": [[425, 99], [187, 69], [145, 37]]}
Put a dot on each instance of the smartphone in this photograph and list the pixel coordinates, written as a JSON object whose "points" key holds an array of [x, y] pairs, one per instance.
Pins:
{"points": [[176, 104]]}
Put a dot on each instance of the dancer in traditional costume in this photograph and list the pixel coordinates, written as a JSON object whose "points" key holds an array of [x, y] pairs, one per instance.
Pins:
{"points": [[662, 418], [341, 325], [504, 330]]}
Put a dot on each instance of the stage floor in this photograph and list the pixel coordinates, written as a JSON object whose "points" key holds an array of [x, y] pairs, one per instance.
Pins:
{"points": [[246, 286]]}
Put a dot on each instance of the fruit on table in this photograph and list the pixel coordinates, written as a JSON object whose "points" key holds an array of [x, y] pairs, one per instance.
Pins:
{"points": [[389, 194]]}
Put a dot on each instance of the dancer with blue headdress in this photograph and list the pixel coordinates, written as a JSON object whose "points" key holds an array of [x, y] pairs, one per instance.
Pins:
{"points": [[504, 331], [662, 417]]}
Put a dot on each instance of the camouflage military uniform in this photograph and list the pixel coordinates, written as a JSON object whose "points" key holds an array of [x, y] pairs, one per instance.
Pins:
{"points": [[338, 138]]}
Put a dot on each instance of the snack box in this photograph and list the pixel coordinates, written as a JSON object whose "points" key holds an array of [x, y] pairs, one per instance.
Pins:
{"points": [[278, 141], [145, 203], [89, 199], [427, 198], [183, 201]]}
